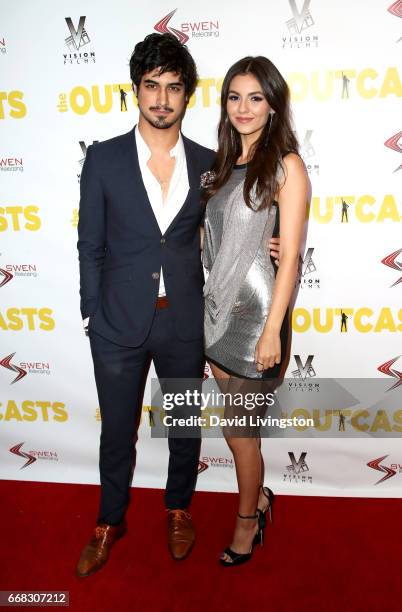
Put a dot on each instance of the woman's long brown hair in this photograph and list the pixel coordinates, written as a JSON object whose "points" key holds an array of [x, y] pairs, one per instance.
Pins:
{"points": [[276, 140]]}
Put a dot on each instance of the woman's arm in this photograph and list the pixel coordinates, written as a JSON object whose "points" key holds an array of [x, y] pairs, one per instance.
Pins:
{"points": [[292, 200]]}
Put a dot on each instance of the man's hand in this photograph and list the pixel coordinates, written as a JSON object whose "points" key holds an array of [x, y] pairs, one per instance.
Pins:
{"points": [[85, 323], [274, 249]]}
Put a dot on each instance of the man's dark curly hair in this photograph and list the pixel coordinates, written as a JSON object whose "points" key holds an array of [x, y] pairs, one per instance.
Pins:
{"points": [[166, 52]]}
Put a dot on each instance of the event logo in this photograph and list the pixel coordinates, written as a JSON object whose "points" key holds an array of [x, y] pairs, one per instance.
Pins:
{"points": [[390, 261], [306, 268], [348, 209], [305, 370], [33, 455], [360, 419], [16, 319], [323, 85], [362, 320], [308, 154], [307, 264], [17, 218], [389, 472], [24, 368], [301, 20], [163, 28], [12, 99], [84, 154], [385, 368], [396, 10], [78, 38], [395, 143], [11, 164], [16, 450], [296, 471], [196, 29], [214, 462], [6, 363], [101, 98], [3, 48], [12, 270], [202, 466], [31, 411], [7, 276]]}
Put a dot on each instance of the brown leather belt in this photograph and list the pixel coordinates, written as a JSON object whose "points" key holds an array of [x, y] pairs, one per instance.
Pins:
{"points": [[162, 302]]}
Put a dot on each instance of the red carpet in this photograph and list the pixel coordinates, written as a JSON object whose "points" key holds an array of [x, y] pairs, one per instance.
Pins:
{"points": [[321, 554]]}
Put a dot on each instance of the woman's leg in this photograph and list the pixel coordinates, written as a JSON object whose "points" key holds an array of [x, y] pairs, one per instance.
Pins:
{"points": [[247, 457]]}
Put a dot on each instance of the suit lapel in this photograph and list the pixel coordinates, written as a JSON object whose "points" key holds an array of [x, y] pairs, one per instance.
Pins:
{"points": [[141, 192], [193, 179]]}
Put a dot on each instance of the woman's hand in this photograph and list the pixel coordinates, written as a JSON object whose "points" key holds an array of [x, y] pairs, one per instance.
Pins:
{"points": [[267, 351]]}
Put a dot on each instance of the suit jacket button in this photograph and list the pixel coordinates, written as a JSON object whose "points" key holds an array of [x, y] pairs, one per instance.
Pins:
{"points": [[163, 240], [155, 275]]}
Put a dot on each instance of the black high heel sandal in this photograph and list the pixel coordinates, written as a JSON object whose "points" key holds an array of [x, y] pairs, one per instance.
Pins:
{"points": [[240, 558], [270, 497]]}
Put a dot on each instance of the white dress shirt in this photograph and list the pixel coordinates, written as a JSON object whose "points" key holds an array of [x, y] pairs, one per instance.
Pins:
{"points": [[164, 211]]}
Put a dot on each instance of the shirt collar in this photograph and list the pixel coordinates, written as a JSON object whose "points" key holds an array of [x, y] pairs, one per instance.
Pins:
{"points": [[145, 152]]}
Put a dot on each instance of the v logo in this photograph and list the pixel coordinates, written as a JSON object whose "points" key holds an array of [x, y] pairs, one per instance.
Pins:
{"points": [[300, 465], [307, 368], [301, 20], [307, 264], [76, 34]]}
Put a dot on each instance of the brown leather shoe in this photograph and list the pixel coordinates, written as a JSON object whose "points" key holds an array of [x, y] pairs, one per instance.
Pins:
{"points": [[181, 535], [96, 552]]}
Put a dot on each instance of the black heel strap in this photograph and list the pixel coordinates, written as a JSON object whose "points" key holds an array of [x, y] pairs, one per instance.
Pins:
{"points": [[253, 516], [266, 492]]}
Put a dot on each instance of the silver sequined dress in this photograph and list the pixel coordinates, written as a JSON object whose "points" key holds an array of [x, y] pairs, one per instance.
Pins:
{"points": [[239, 295]]}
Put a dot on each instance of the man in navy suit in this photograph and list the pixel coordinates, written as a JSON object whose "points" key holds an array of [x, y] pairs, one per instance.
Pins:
{"points": [[141, 283]]}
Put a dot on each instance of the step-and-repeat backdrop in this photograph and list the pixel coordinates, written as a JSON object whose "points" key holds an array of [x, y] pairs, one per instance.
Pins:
{"points": [[65, 84]]}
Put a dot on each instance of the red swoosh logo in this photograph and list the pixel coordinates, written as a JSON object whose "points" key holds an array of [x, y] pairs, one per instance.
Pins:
{"points": [[202, 467], [163, 28], [375, 465], [6, 363], [396, 8], [16, 450], [7, 277], [390, 261], [385, 368], [393, 143]]}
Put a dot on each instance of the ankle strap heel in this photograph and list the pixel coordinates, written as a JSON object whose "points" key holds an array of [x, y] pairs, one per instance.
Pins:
{"points": [[240, 558], [269, 495], [251, 516]]}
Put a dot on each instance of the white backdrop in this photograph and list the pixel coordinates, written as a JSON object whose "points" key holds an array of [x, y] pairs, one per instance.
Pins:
{"points": [[59, 92]]}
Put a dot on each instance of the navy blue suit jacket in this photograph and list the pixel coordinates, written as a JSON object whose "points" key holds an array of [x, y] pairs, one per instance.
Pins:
{"points": [[121, 248]]}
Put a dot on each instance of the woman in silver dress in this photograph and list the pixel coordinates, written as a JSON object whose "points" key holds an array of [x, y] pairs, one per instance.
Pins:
{"points": [[258, 185]]}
